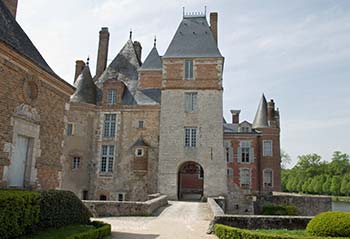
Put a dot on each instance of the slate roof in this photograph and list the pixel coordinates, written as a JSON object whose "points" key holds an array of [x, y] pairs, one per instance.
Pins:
{"points": [[85, 88], [13, 35], [260, 120], [153, 61], [139, 143], [193, 38]]}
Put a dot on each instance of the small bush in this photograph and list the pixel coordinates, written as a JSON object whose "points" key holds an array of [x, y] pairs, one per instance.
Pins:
{"points": [[19, 211], [101, 230], [286, 209], [60, 208], [330, 224]]}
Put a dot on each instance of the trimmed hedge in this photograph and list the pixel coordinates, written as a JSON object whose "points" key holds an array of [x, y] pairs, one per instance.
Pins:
{"points": [[19, 211], [61, 208], [330, 224], [102, 230], [286, 209]]}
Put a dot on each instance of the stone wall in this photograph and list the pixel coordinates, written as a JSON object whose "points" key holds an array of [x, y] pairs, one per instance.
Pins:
{"points": [[126, 208], [306, 205]]}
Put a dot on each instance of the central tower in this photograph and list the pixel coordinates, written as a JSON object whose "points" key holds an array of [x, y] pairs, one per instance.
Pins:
{"points": [[191, 118]]}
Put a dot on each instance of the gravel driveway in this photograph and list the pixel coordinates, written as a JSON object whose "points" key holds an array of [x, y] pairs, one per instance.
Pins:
{"points": [[180, 220]]}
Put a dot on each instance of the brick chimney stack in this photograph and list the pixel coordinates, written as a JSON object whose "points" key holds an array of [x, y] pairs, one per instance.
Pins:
{"points": [[271, 113], [12, 6], [79, 66], [214, 25], [235, 116], [102, 53]]}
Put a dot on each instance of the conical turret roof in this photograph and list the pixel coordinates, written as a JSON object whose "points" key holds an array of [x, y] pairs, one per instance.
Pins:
{"points": [[85, 88], [153, 61], [260, 120]]}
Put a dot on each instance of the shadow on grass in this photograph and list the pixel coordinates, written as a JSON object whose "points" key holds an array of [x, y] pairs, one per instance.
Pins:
{"points": [[124, 235]]}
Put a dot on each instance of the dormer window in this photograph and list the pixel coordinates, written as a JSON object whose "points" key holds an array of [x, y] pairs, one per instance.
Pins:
{"points": [[188, 69], [112, 97], [139, 152]]}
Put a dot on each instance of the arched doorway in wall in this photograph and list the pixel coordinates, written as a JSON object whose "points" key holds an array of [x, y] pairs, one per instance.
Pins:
{"points": [[190, 181]]}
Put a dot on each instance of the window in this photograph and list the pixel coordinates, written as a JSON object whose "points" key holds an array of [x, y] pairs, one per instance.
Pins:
{"points": [[76, 162], [121, 197], [230, 172], [103, 197], [112, 97], [191, 102], [188, 69], [268, 178], [227, 154], [141, 124], [85, 195], [244, 178], [245, 151], [109, 125], [245, 129], [69, 130], [139, 152], [107, 158], [267, 148], [190, 137]]}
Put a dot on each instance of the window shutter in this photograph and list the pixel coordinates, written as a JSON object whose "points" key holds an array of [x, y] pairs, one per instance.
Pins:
{"points": [[239, 155], [230, 154], [194, 99], [187, 102], [251, 155]]}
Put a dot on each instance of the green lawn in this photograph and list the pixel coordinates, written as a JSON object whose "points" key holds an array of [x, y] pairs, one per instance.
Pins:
{"points": [[285, 232], [60, 233]]}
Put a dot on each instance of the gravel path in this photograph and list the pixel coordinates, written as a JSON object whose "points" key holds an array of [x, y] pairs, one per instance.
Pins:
{"points": [[180, 220]]}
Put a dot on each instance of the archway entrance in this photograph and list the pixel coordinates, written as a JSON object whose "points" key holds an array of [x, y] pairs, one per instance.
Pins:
{"points": [[190, 181]]}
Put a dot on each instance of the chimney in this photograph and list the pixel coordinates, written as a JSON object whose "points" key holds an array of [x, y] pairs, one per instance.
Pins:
{"points": [[138, 49], [12, 6], [235, 116], [214, 25], [102, 52], [271, 112], [79, 66]]}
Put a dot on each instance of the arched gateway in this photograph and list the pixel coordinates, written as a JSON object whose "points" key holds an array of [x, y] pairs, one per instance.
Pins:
{"points": [[190, 181]]}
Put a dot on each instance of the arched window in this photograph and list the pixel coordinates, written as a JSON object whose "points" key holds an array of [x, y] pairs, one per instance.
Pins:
{"points": [[268, 177]]}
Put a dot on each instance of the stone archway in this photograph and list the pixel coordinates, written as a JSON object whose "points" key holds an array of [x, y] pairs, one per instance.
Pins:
{"points": [[190, 181]]}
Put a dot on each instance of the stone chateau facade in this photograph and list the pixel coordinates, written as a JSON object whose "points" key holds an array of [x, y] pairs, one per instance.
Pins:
{"points": [[135, 128]]}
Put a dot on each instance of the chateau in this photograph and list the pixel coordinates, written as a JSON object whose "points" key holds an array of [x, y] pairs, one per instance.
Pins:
{"points": [[139, 128], [134, 128]]}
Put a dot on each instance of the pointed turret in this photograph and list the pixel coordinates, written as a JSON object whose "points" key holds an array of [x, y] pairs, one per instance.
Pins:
{"points": [[260, 120], [153, 60], [85, 88]]}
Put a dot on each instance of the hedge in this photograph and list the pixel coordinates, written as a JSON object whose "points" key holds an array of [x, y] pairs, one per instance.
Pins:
{"points": [[102, 230], [19, 211], [286, 209], [61, 208], [331, 224]]}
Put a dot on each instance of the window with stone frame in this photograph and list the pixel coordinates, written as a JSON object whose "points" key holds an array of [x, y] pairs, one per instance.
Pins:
{"points": [[245, 152], [267, 147], [268, 178], [121, 197], [139, 152], [190, 137], [230, 172], [141, 124], [69, 129], [188, 70], [244, 178], [107, 158], [76, 162], [112, 97], [191, 102], [109, 125]]}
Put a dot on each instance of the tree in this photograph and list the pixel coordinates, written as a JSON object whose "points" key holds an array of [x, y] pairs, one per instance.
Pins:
{"points": [[345, 185], [326, 187], [340, 164], [335, 185]]}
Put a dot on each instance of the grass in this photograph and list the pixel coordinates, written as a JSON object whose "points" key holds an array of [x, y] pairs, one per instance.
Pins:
{"points": [[284, 232], [60, 233]]}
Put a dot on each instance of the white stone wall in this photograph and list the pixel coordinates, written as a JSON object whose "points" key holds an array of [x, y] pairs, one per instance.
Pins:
{"points": [[209, 151]]}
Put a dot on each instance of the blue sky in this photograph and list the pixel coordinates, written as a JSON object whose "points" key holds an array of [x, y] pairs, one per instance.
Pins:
{"points": [[296, 52]]}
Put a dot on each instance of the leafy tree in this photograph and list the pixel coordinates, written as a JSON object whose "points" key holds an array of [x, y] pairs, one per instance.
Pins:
{"points": [[326, 187], [345, 185], [340, 164], [335, 185]]}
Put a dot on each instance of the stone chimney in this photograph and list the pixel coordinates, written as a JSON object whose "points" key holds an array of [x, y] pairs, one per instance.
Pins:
{"points": [[214, 25], [79, 66], [235, 116], [138, 49], [12, 6], [102, 53], [271, 112]]}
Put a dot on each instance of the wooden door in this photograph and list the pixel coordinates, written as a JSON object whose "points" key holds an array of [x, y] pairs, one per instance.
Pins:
{"points": [[18, 163]]}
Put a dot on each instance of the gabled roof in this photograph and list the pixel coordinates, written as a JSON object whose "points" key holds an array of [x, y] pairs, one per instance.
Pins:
{"points": [[85, 88], [193, 38], [153, 61], [260, 120], [13, 35], [140, 143]]}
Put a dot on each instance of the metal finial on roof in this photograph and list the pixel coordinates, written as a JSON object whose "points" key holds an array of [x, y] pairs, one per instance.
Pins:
{"points": [[205, 10], [183, 11], [130, 35], [155, 41], [87, 60]]}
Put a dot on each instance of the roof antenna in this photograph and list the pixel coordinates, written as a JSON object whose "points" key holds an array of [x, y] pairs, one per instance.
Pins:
{"points": [[130, 35], [155, 41], [183, 12], [87, 60]]}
